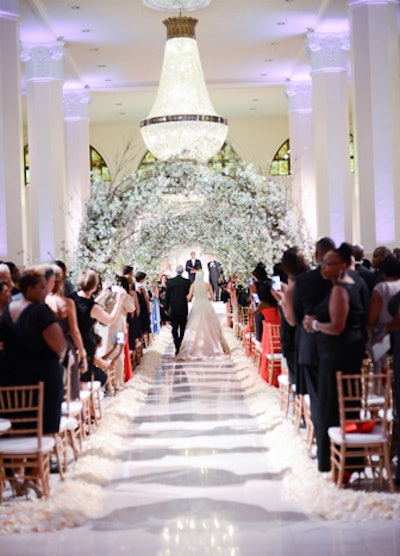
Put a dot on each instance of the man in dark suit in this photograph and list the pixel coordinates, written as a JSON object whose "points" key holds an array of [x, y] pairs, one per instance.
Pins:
{"points": [[176, 301], [309, 290], [192, 266], [363, 271], [215, 274]]}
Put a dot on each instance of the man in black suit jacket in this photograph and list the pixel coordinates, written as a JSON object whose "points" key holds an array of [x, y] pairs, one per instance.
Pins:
{"points": [[215, 274], [192, 266], [309, 290], [176, 301]]}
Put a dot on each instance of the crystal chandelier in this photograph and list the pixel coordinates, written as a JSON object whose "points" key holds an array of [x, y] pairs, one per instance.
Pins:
{"points": [[183, 123]]}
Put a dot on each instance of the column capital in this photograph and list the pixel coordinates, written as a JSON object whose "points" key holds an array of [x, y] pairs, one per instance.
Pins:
{"points": [[9, 9], [299, 94], [43, 62], [328, 51], [76, 104]]}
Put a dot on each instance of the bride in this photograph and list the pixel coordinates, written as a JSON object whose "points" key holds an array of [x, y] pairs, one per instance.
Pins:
{"points": [[203, 334]]}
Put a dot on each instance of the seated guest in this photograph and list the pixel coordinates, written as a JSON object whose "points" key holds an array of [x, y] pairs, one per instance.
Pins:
{"points": [[5, 297]]}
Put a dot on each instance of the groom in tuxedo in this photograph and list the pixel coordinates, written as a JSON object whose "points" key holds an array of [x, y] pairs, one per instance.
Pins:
{"points": [[176, 301], [215, 274], [192, 266]]}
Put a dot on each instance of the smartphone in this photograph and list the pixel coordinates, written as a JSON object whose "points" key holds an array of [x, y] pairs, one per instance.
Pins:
{"points": [[120, 338], [115, 288], [256, 297], [251, 281], [276, 283]]}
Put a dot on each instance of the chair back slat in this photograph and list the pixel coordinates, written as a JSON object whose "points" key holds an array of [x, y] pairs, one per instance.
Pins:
{"points": [[23, 407]]}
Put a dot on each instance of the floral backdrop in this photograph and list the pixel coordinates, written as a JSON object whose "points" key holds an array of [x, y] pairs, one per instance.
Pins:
{"points": [[236, 213]]}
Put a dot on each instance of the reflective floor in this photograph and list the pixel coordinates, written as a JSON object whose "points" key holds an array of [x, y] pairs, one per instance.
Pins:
{"points": [[194, 480]]}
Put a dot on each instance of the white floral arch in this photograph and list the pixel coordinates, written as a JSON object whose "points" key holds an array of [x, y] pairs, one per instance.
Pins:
{"points": [[237, 214]]}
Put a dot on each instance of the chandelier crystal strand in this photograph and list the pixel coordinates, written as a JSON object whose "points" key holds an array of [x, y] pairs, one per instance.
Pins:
{"points": [[183, 123]]}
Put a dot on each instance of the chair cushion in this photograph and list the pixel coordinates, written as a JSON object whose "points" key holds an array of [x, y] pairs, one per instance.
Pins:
{"points": [[72, 408], [274, 356], [67, 424], [25, 445], [283, 380], [358, 438]]}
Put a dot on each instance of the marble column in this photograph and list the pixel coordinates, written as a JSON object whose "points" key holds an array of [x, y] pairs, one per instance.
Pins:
{"points": [[45, 119], [376, 92], [299, 95], [12, 194], [77, 161], [330, 104]]}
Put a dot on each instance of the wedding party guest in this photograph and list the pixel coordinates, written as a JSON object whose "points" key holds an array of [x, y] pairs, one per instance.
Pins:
{"points": [[192, 266], [215, 275], [64, 310], [15, 276], [378, 314], [144, 304], [378, 256], [119, 329], [68, 286], [89, 312], [34, 345], [166, 269], [364, 272], [5, 275], [293, 264], [133, 319], [5, 297], [309, 290], [155, 313], [177, 303], [337, 323], [162, 296]]}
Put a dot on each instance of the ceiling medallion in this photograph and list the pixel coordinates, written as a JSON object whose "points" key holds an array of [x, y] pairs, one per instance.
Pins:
{"points": [[176, 5]]}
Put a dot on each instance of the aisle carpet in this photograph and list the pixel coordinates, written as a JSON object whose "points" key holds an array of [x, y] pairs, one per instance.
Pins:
{"points": [[80, 498]]}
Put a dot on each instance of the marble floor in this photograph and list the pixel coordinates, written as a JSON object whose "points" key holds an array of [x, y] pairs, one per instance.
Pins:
{"points": [[194, 480]]}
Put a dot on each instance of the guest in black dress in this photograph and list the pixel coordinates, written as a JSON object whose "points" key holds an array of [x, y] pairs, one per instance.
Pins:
{"points": [[89, 312], [34, 344], [144, 304], [338, 325]]}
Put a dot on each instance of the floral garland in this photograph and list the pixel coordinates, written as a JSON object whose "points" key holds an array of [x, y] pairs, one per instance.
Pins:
{"points": [[234, 212]]}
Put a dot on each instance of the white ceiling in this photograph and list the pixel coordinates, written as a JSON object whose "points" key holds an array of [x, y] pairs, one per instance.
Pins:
{"points": [[248, 49]]}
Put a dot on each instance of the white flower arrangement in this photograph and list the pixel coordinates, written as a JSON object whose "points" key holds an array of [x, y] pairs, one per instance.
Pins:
{"points": [[236, 212]]}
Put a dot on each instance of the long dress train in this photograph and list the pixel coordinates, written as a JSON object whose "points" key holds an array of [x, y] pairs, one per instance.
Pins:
{"points": [[203, 335]]}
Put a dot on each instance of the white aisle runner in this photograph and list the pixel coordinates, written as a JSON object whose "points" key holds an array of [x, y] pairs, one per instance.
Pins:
{"points": [[195, 458]]}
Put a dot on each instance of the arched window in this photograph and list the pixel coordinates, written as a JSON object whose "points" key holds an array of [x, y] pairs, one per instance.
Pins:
{"points": [[224, 159], [280, 165], [98, 168]]}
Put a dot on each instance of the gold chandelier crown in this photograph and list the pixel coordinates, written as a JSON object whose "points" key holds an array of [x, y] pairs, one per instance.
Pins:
{"points": [[180, 26]]}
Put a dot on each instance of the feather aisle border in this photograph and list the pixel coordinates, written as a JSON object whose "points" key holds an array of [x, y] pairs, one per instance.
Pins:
{"points": [[287, 453], [80, 497]]}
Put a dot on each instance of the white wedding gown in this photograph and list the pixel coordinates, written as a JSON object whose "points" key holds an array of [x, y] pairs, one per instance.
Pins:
{"points": [[203, 335]]}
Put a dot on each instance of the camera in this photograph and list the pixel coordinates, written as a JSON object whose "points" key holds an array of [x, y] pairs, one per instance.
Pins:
{"points": [[276, 283], [120, 338], [115, 288]]}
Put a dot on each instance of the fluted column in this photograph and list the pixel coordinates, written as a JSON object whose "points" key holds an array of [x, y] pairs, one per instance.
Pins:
{"points": [[77, 161], [47, 207], [331, 135], [299, 95], [376, 90], [12, 195]]}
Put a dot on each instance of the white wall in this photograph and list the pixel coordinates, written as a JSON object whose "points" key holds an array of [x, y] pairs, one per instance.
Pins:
{"points": [[255, 140]]}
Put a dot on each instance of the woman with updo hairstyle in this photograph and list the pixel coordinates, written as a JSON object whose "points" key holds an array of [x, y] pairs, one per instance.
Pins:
{"points": [[338, 323]]}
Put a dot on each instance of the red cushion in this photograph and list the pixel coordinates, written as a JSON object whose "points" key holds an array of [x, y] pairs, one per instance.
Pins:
{"points": [[361, 426]]}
